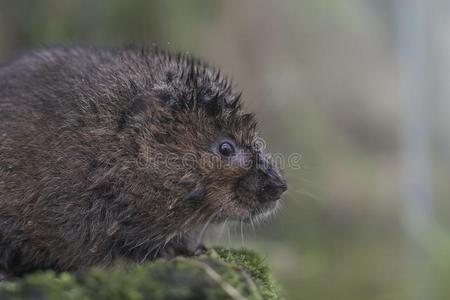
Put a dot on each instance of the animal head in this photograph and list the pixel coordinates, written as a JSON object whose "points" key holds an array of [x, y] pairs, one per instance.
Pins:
{"points": [[195, 138]]}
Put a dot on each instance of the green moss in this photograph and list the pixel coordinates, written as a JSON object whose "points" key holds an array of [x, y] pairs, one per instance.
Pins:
{"points": [[255, 266], [220, 274]]}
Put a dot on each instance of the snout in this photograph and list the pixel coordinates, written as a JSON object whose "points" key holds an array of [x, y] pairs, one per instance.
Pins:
{"points": [[271, 182], [261, 188], [274, 186]]}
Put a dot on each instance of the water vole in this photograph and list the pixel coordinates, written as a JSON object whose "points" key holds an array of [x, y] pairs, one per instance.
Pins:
{"points": [[108, 153]]}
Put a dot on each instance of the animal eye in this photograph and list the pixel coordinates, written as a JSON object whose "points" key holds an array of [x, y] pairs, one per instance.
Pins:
{"points": [[226, 149]]}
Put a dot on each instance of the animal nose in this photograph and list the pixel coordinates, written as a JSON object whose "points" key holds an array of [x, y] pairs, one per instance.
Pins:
{"points": [[271, 182], [276, 180], [273, 189], [279, 186]]}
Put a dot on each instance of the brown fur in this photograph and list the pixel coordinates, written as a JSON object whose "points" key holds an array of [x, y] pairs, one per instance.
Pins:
{"points": [[107, 153]]}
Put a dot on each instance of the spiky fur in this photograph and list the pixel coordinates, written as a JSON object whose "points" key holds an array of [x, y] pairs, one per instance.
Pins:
{"points": [[79, 132]]}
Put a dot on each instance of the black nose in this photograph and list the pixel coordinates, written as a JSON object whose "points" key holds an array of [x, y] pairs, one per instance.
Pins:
{"points": [[273, 189], [271, 183]]}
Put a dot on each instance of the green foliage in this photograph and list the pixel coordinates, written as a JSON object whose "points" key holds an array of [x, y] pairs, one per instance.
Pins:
{"points": [[221, 274], [254, 265]]}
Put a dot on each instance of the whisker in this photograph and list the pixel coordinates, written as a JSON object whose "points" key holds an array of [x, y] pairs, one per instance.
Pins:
{"points": [[200, 236], [253, 225], [304, 193], [222, 229]]}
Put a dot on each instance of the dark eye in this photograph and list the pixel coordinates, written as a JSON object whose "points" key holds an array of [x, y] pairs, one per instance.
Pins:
{"points": [[226, 149]]}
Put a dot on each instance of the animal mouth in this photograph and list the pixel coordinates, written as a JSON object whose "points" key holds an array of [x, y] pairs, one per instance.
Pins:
{"points": [[262, 211]]}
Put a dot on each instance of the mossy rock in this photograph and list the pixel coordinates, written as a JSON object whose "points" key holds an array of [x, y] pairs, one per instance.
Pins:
{"points": [[219, 274]]}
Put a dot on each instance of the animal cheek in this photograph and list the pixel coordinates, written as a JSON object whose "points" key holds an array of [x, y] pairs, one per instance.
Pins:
{"points": [[219, 192], [247, 184]]}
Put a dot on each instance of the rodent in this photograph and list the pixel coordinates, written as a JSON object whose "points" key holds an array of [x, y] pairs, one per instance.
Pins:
{"points": [[110, 153]]}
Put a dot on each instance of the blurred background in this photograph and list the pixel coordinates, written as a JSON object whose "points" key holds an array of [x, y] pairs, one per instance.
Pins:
{"points": [[357, 87]]}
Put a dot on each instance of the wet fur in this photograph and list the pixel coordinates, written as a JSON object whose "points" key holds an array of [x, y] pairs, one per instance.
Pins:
{"points": [[79, 131]]}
